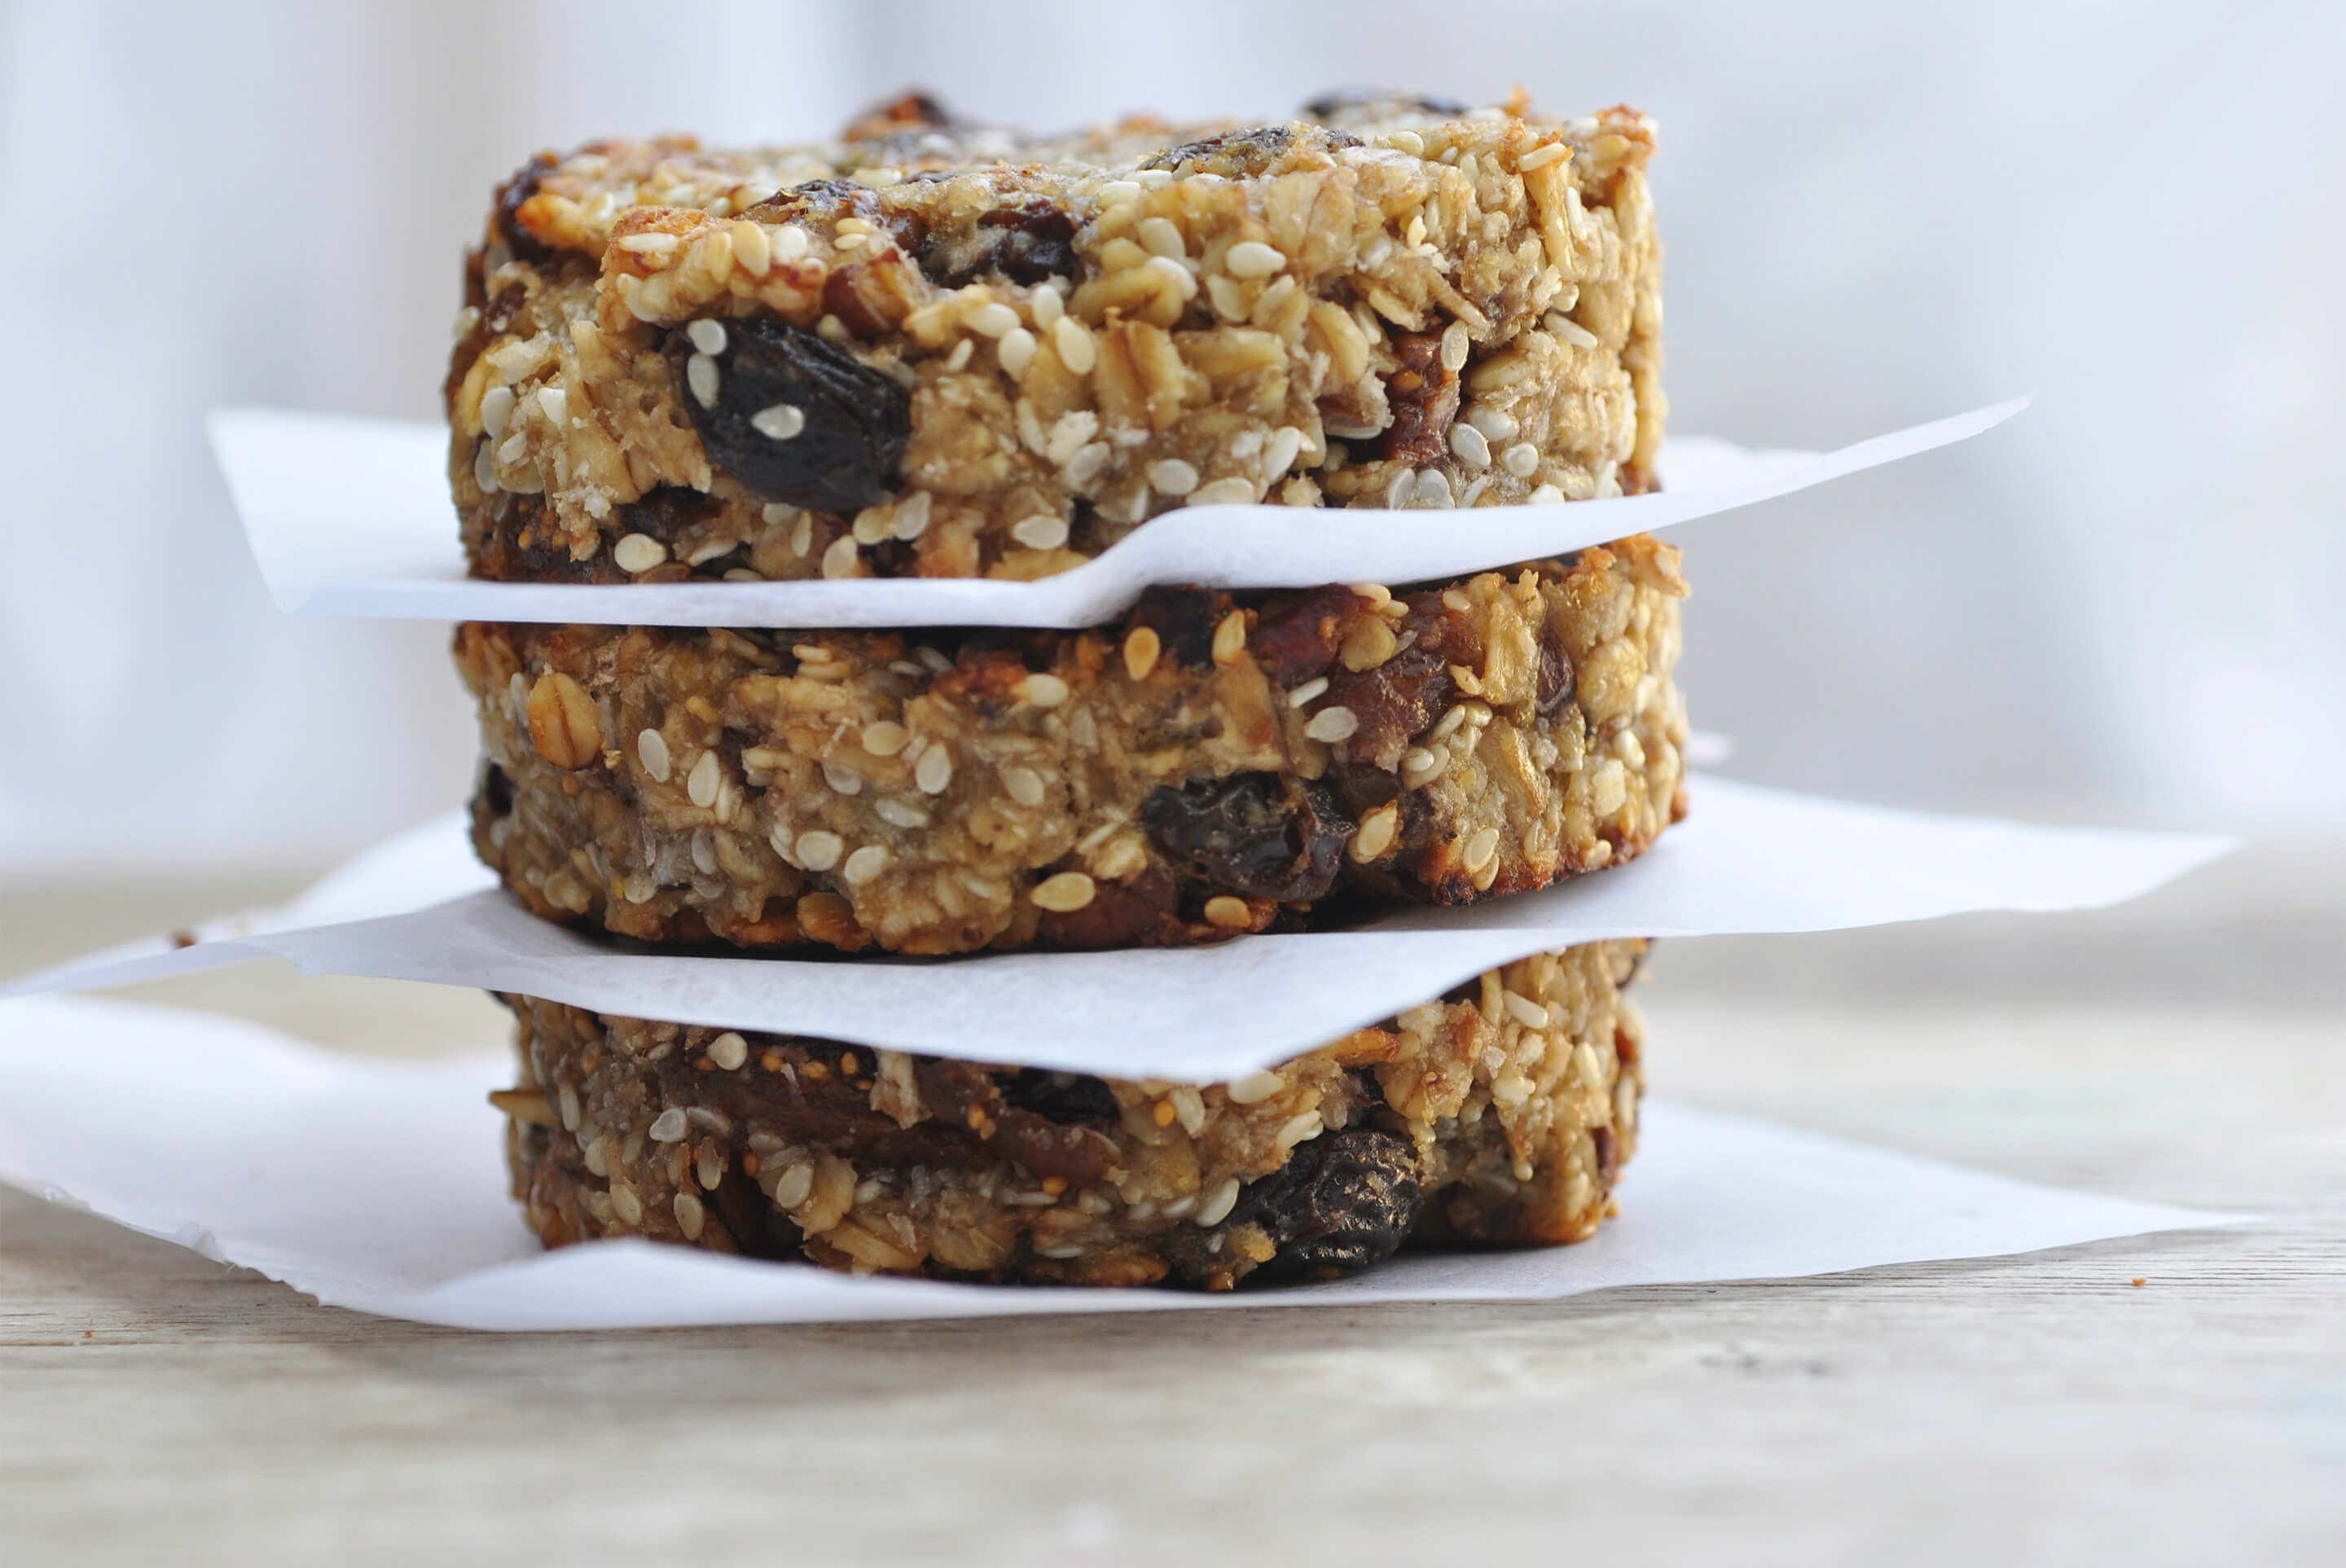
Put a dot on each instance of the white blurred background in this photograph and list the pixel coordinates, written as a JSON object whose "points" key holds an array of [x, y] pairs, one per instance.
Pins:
{"points": [[2124, 606]]}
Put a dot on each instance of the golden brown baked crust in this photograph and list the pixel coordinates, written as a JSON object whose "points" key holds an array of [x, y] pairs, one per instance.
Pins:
{"points": [[1498, 1115], [1211, 765], [936, 348]]}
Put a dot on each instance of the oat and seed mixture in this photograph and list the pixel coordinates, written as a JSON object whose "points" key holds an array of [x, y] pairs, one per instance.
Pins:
{"points": [[939, 349], [1499, 1113], [1214, 765]]}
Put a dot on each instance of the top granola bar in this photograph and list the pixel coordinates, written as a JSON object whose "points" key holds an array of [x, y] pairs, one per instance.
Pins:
{"points": [[936, 348]]}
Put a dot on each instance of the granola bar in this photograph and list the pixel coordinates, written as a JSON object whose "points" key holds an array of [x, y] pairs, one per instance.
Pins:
{"points": [[939, 349], [1500, 1114], [1213, 765]]}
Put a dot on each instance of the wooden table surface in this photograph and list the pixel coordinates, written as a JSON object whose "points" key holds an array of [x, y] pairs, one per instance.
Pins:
{"points": [[155, 1408]]}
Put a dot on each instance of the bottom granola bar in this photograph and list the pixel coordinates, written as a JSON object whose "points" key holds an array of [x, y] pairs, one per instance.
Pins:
{"points": [[1499, 1113]]}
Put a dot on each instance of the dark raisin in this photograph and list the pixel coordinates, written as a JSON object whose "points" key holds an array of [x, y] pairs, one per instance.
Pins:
{"points": [[504, 222], [1296, 637], [1376, 103], [1555, 679], [1342, 1201], [1423, 396], [1059, 1096], [851, 425], [496, 789], [1183, 619], [1252, 834], [667, 511], [1026, 243]]}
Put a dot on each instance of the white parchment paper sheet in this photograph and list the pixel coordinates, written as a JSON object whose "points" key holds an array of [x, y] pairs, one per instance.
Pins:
{"points": [[352, 518], [1747, 859], [381, 1186]]}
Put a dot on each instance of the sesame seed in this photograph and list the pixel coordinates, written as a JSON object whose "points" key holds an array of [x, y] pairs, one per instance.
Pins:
{"points": [[1115, 192], [1420, 765], [1232, 491], [933, 772], [1047, 307], [873, 526], [1141, 647], [1407, 141], [863, 865], [638, 553], [844, 781], [750, 248], [790, 243], [802, 535], [1523, 1010], [701, 784], [818, 851], [708, 336], [1521, 460], [1043, 690], [648, 244], [1015, 351], [1398, 492], [1495, 424], [962, 352], [1064, 893], [841, 560], [1174, 274], [1077, 350], [780, 422], [729, 1051], [1230, 637], [1162, 237], [1376, 835], [1434, 488], [1480, 848], [913, 516], [1455, 346], [651, 750], [690, 1216], [1218, 1203], [1450, 722], [793, 1187], [1253, 258], [1469, 443], [1253, 1088], [1303, 695], [1330, 725], [1297, 1129], [1171, 476], [1546, 495], [900, 814], [626, 1204], [886, 738], [496, 409], [1043, 531], [992, 318], [1082, 468], [1024, 785], [1229, 913], [668, 1127]]}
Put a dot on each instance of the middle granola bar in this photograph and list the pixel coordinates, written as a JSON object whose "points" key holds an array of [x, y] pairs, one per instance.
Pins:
{"points": [[1213, 765]]}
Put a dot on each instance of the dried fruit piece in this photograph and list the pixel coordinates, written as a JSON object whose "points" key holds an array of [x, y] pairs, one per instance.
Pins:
{"points": [[1377, 102], [1423, 396], [797, 419], [1183, 619], [1252, 834], [1026, 243], [1342, 1201]]}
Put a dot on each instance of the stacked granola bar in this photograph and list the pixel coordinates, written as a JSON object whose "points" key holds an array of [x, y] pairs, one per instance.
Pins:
{"points": [[933, 348]]}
